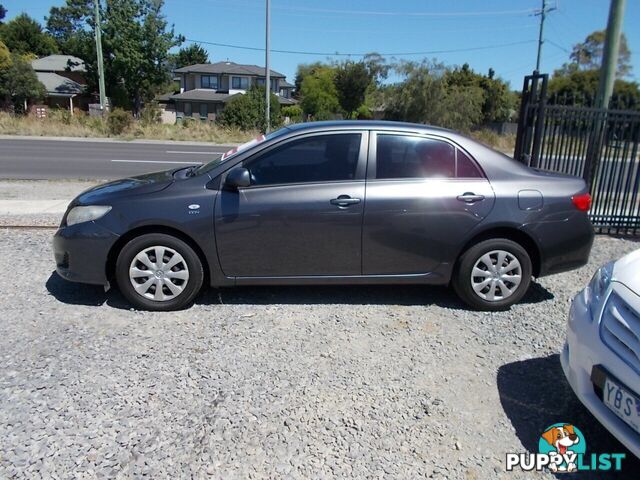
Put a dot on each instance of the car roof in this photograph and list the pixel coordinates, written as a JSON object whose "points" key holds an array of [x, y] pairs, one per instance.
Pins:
{"points": [[367, 124]]}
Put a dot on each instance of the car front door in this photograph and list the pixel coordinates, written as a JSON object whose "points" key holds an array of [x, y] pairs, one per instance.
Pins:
{"points": [[424, 195], [302, 213]]}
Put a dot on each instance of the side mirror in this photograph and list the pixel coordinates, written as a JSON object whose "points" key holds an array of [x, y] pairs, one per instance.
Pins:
{"points": [[238, 177]]}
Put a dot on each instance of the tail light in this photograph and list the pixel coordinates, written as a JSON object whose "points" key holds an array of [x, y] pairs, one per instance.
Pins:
{"points": [[582, 201]]}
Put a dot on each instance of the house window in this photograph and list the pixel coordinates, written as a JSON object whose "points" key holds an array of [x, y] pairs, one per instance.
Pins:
{"points": [[203, 111], [260, 82], [187, 109], [240, 83], [209, 81]]}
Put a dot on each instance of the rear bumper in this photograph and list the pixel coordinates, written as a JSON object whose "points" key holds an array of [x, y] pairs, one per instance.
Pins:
{"points": [[564, 245], [81, 252]]}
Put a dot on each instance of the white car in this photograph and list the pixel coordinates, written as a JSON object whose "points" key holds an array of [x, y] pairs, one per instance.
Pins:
{"points": [[601, 357]]}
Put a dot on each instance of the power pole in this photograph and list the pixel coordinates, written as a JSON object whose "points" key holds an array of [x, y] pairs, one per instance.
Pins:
{"points": [[543, 14], [267, 68], [610, 53], [103, 99]]}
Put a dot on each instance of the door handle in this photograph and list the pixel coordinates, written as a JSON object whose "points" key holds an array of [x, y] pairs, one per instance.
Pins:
{"points": [[344, 201], [470, 197]]}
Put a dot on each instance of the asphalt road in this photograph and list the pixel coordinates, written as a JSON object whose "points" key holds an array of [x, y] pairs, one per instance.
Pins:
{"points": [[30, 158]]}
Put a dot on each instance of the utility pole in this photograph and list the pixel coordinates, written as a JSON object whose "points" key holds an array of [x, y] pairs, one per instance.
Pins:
{"points": [[267, 68], [543, 14], [103, 99], [610, 53]]}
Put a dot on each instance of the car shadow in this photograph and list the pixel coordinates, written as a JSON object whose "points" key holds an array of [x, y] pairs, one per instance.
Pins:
{"points": [[81, 294], [535, 394], [91, 295]]}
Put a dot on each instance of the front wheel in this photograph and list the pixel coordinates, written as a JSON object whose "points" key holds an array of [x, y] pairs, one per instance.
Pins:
{"points": [[159, 272], [493, 275]]}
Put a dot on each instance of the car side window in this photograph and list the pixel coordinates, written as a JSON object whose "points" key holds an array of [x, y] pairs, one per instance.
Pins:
{"points": [[407, 156], [465, 167], [318, 158]]}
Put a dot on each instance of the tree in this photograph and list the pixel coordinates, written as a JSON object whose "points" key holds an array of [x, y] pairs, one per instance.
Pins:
{"points": [[139, 41], [247, 111], [424, 96], [319, 94], [192, 55], [5, 56], [19, 83], [588, 55], [23, 35], [352, 81], [136, 41], [580, 87], [72, 27], [498, 102]]}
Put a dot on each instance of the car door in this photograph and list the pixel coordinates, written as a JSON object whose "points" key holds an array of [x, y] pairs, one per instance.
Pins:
{"points": [[302, 213], [424, 195]]}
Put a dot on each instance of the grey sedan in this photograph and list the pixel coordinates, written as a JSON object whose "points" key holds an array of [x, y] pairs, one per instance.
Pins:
{"points": [[331, 203]]}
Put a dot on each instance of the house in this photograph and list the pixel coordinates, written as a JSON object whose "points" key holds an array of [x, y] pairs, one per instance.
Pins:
{"points": [[64, 79], [205, 89]]}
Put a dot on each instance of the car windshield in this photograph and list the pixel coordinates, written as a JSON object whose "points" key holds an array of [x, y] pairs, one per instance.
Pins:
{"points": [[207, 167]]}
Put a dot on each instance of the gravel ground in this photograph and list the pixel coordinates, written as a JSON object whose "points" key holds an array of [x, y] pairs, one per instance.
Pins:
{"points": [[331, 382]]}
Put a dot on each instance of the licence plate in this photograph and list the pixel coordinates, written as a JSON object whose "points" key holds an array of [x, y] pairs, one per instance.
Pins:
{"points": [[622, 402]]}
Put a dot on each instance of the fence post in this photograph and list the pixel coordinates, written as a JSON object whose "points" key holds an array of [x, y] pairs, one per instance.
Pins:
{"points": [[537, 133]]}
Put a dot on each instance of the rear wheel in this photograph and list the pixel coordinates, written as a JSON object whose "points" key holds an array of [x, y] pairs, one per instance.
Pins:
{"points": [[493, 275], [159, 272]]}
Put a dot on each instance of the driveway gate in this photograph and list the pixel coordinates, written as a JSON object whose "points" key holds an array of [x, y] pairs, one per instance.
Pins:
{"points": [[600, 145]]}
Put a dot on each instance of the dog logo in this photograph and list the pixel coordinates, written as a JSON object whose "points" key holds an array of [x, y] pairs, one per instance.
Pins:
{"points": [[563, 443]]}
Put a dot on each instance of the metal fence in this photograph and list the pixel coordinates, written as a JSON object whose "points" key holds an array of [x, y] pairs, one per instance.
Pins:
{"points": [[600, 145]]}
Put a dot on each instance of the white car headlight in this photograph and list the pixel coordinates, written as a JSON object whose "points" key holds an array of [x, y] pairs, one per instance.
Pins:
{"points": [[86, 214], [598, 287]]}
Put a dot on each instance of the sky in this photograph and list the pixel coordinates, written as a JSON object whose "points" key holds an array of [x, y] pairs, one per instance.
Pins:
{"points": [[498, 34]]}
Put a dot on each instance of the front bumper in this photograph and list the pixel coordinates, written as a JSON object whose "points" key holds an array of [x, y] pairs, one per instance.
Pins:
{"points": [[81, 252], [582, 351]]}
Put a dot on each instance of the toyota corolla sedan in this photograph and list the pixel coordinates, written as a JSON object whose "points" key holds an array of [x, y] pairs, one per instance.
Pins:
{"points": [[349, 202], [601, 357]]}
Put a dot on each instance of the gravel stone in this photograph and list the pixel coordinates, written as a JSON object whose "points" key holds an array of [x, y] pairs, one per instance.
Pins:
{"points": [[271, 382]]}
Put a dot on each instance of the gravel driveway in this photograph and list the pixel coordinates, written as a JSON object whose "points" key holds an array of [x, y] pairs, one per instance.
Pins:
{"points": [[331, 382]]}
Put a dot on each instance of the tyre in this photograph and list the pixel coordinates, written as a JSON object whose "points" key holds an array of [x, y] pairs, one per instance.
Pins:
{"points": [[493, 275], [159, 272]]}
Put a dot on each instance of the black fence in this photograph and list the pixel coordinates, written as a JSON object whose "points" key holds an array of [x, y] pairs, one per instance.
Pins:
{"points": [[600, 145]]}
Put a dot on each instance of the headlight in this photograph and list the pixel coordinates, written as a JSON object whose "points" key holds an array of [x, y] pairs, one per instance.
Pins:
{"points": [[598, 287], [86, 214]]}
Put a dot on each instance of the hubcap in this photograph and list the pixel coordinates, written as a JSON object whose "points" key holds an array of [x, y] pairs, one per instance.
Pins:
{"points": [[159, 273], [496, 275]]}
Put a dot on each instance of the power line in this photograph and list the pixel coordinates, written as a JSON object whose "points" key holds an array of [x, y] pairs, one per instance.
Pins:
{"points": [[557, 45], [344, 54], [387, 13], [408, 14]]}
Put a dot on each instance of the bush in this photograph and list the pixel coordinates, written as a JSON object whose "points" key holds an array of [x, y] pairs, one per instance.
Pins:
{"points": [[363, 113], [246, 112], [118, 121], [293, 112], [151, 114]]}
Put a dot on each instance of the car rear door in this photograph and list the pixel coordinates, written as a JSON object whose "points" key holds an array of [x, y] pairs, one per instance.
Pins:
{"points": [[424, 196], [302, 214]]}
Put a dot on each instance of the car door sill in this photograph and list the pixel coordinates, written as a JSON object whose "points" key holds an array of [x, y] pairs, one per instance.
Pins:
{"points": [[426, 278]]}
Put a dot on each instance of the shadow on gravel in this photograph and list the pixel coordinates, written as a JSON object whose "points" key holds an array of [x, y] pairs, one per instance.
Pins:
{"points": [[80, 294], [91, 295], [534, 394], [351, 295]]}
